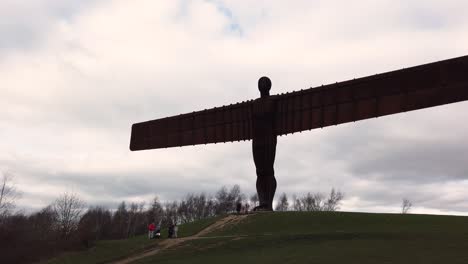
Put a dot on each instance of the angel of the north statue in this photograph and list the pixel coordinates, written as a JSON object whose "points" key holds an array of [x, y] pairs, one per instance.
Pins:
{"points": [[263, 119]]}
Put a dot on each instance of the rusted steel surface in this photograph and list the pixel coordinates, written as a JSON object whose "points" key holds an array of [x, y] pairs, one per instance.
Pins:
{"points": [[379, 95], [389, 93], [221, 124]]}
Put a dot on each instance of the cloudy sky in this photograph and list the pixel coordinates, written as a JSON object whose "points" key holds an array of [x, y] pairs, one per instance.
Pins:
{"points": [[74, 76]]}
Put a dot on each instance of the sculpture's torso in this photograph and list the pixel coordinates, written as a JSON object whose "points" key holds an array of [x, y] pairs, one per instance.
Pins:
{"points": [[263, 123]]}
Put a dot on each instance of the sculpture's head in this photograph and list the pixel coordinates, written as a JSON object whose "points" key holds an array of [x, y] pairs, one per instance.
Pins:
{"points": [[264, 85]]}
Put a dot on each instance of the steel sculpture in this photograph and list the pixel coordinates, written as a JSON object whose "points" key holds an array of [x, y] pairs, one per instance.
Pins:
{"points": [[263, 119]]}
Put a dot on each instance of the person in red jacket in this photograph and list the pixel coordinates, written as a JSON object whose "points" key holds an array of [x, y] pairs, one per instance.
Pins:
{"points": [[151, 228]]}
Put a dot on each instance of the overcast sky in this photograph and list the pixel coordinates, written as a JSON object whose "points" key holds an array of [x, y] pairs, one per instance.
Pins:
{"points": [[74, 76]]}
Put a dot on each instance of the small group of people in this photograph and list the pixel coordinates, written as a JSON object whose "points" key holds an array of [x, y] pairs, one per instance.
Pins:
{"points": [[242, 208], [155, 231]]}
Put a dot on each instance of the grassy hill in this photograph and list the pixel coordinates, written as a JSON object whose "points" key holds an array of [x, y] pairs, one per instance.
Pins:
{"points": [[317, 237], [109, 250], [306, 237]]}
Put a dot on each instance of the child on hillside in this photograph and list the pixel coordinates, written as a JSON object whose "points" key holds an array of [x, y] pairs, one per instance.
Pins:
{"points": [[151, 228]]}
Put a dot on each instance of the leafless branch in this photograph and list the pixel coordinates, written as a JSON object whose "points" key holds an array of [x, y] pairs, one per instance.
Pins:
{"points": [[406, 206]]}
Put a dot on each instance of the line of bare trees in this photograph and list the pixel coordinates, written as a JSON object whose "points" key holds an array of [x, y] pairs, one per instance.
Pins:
{"points": [[27, 238], [67, 223], [313, 202]]}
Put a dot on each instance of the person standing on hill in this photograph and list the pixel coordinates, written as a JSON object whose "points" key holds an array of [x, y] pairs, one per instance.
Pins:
{"points": [[238, 207], [176, 228], [151, 228], [170, 231]]}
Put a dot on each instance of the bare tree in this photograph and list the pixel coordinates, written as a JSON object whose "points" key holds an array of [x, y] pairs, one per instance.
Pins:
{"points": [[43, 223], [185, 209], [222, 200], [318, 202], [171, 215], [156, 212], [297, 206], [210, 207], [140, 224], [254, 199], [406, 206], [131, 221], [283, 203], [333, 202], [235, 197], [8, 194], [119, 221], [95, 224], [313, 202], [68, 209], [200, 206], [227, 200]]}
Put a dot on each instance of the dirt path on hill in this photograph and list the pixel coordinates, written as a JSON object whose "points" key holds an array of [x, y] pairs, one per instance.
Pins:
{"points": [[173, 242]]}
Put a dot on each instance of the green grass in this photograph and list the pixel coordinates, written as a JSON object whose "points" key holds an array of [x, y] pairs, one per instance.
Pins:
{"points": [[194, 227], [108, 250], [302, 237], [311, 222]]}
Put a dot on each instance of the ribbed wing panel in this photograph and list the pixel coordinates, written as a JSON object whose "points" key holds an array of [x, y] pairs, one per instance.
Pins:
{"points": [[379, 95], [222, 124], [383, 94]]}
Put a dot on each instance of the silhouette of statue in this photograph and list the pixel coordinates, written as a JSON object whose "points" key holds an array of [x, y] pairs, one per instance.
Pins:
{"points": [[264, 144], [269, 116]]}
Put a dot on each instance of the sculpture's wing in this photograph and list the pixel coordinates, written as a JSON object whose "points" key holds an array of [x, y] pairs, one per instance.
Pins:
{"points": [[223, 124], [383, 94]]}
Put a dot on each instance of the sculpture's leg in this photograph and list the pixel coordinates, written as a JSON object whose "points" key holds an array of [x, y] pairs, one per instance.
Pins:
{"points": [[264, 158]]}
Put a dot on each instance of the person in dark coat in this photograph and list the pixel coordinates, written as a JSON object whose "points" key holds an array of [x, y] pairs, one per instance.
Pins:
{"points": [[170, 231]]}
